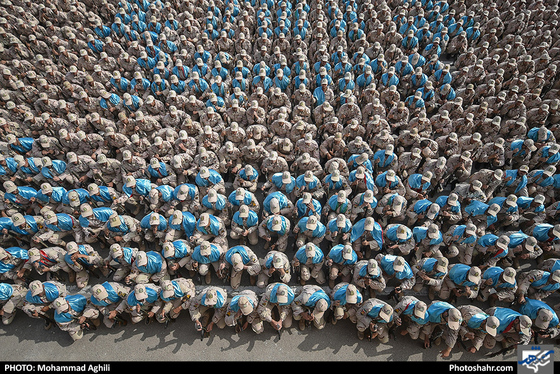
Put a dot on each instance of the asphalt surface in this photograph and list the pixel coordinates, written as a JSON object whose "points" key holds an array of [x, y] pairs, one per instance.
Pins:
{"points": [[25, 339]]}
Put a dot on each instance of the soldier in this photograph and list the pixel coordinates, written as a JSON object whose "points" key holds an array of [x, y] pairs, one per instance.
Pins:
{"points": [[84, 260], [514, 328], [333, 146], [368, 277], [338, 229], [12, 299], [49, 260], [215, 204], [39, 299], [309, 306], [308, 263], [68, 311], [522, 247], [102, 303], [12, 260], [477, 325], [283, 182], [239, 258], [411, 314], [177, 295], [398, 240], [544, 319], [240, 197], [277, 226], [345, 302], [461, 280], [204, 257], [78, 166], [207, 178], [366, 237], [309, 229], [392, 207], [388, 181], [275, 262], [119, 261], [148, 267], [277, 203], [142, 303], [271, 165], [247, 177], [537, 284], [275, 306], [177, 254], [242, 311], [395, 268], [498, 285], [210, 228], [377, 316], [188, 197], [430, 272], [106, 171], [244, 225], [459, 167]]}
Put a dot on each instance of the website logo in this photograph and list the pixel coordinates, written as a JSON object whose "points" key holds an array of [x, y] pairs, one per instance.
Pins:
{"points": [[535, 359]]}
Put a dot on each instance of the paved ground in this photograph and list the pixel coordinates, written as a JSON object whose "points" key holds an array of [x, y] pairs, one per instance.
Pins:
{"points": [[26, 340]]}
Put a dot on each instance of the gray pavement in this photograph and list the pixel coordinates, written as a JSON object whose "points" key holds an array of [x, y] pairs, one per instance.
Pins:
{"points": [[26, 340]]}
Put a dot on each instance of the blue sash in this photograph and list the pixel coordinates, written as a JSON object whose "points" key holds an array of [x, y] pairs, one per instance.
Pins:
{"points": [[234, 303], [340, 295], [283, 228], [177, 292], [273, 298], [76, 302], [543, 285], [316, 296], [506, 317], [252, 219], [494, 273], [214, 255], [51, 293], [6, 291], [531, 308], [241, 251], [386, 264], [358, 230], [436, 310], [336, 255], [154, 264], [302, 257], [458, 274], [214, 226], [476, 320], [153, 295], [219, 303], [16, 252], [113, 296]]}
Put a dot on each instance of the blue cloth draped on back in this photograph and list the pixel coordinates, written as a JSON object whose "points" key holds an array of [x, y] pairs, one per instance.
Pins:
{"points": [[241, 251], [76, 302], [153, 295], [51, 293], [155, 262], [16, 252], [274, 299], [113, 296]]}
